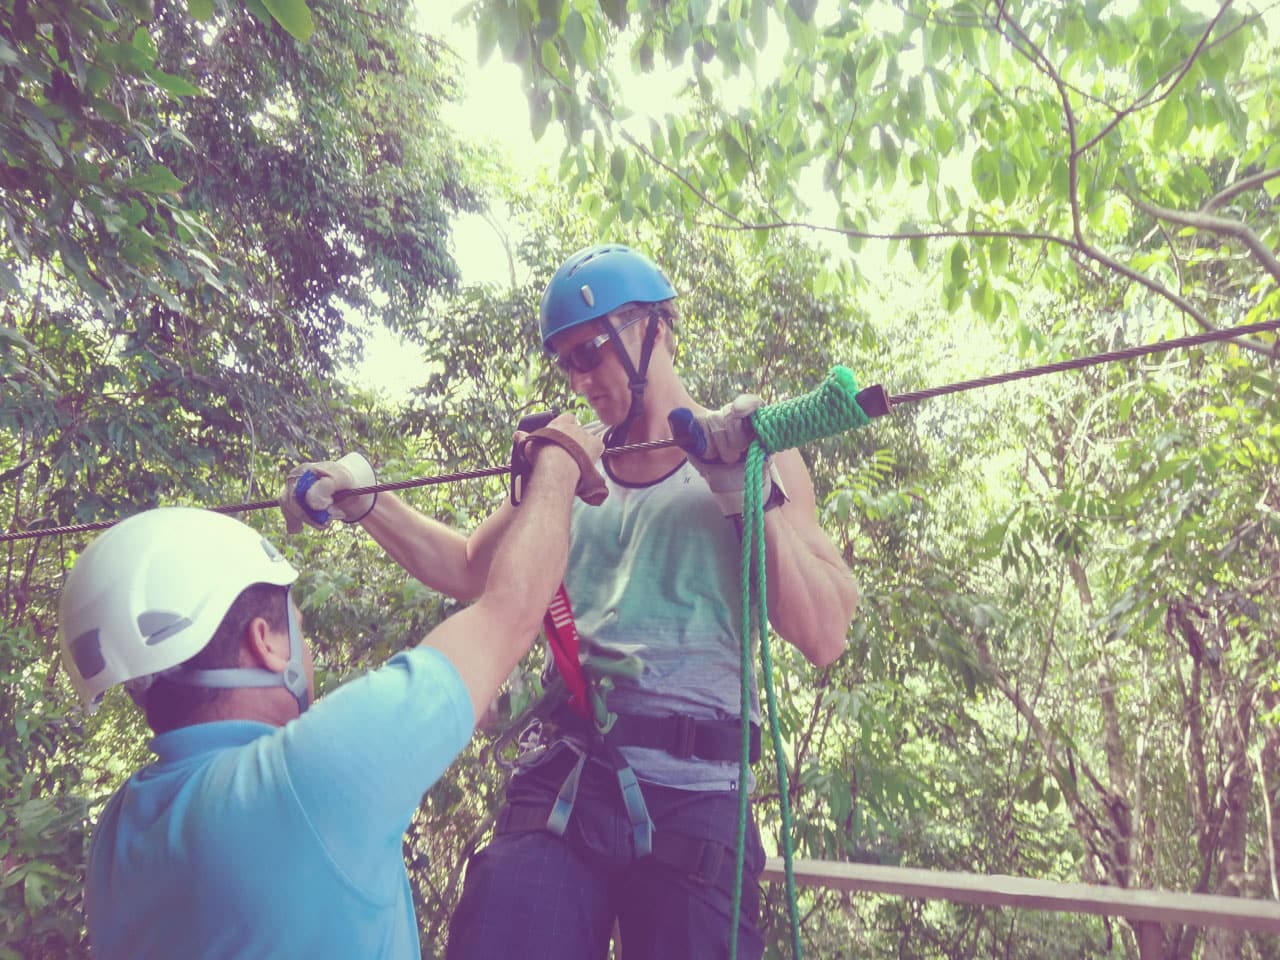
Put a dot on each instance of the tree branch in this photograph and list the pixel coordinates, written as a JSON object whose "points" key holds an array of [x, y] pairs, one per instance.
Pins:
{"points": [[1251, 182], [1146, 100], [1220, 225], [1041, 62]]}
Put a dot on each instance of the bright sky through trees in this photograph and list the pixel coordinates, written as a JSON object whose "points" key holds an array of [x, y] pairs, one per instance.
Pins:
{"points": [[494, 110]]}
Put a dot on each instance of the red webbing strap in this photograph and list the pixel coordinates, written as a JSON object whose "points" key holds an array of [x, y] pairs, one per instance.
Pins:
{"points": [[562, 637]]}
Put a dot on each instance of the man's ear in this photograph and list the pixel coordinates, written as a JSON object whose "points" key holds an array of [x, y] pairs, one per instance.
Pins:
{"points": [[264, 646]]}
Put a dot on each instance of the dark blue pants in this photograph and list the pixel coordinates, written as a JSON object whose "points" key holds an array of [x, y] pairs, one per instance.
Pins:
{"points": [[532, 894]]}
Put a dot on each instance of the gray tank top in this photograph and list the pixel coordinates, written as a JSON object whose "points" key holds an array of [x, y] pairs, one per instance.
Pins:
{"points": [[654, 572]]}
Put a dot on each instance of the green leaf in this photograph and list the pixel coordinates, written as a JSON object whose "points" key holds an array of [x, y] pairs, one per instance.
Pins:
{"points": [[142, 9], [539, 112], [915, 100], [39, 127], [178, 86], [549, 10], [889, 150], [937, 39], [999, 255], [259, 12], [957, 269], [33, 892], [944, 136], [201, 10], [9, 280], [1171, 122], [145, 46], [1034, 790], [1007, 179], [735, 155], [157, 179], [616, 11], [985, 176], [293, 15], [550, 57], [759, 22], [486, 39], [575, 35], [644, 56], [676, 43], [803, 9], [919, 252]]}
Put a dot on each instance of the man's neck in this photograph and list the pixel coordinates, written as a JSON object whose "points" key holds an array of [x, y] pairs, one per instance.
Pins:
{"points": [[651, 425], [259, 704]]}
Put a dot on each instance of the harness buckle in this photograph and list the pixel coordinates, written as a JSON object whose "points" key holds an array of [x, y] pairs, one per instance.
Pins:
{"points": [[685, 736]]}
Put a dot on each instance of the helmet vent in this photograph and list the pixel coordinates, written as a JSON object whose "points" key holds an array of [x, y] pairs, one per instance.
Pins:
{"points": [[157, 625], [270, 550], [86, 650]]}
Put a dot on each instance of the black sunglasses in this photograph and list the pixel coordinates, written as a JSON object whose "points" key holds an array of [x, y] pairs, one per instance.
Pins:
{"points": [[585, 357]]}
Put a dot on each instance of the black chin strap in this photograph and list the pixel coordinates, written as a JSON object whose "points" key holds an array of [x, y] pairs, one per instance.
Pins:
{"points": [[636, 379]]}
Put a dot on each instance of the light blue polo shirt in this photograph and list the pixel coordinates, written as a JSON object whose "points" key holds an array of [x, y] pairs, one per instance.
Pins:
{"points": [[245, 840]]}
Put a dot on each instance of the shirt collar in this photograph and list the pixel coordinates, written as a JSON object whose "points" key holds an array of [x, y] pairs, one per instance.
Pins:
{"points": [[187, 742]]}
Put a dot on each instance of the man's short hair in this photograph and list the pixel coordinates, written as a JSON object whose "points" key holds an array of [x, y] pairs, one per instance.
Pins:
{"points": [[170, 705], [666, 311]]}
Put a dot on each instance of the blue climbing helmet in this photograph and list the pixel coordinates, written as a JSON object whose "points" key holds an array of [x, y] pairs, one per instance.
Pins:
{"points": [[591, 284], [596, 280]]}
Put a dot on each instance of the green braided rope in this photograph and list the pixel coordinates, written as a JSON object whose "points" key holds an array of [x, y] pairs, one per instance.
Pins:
{"points": [[828, 410], [754, 532], [750, 507]]}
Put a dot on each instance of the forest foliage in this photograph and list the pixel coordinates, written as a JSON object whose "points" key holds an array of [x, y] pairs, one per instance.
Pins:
{"points": [[1065, 660]]}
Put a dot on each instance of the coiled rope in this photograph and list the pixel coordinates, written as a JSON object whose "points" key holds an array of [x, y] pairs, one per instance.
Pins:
{"points": [[830, 409]]}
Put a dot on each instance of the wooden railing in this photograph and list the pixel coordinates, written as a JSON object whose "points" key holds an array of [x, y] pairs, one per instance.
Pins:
{"points": [[1147, 910]]}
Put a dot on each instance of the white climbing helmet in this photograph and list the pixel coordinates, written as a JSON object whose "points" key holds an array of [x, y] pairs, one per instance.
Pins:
{"points": [[150, 592]]}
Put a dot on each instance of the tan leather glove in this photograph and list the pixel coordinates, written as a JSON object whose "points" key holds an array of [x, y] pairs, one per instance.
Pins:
{"points": [[585, 448]]}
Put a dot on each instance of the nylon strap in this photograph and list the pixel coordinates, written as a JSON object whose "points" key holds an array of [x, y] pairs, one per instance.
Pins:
{"points": [[562, 809], [633, 799], [562, 638]]}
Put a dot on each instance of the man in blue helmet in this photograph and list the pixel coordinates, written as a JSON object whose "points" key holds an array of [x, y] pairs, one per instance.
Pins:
{"points": [[637, 825], [269, 826], [653, 580]]}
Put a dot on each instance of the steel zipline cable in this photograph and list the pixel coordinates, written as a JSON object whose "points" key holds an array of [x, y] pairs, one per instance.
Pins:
{"points": [[874, 402]]}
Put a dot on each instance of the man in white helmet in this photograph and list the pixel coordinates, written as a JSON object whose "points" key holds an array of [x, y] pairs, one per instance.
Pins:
{"points": [[269, 827]]}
